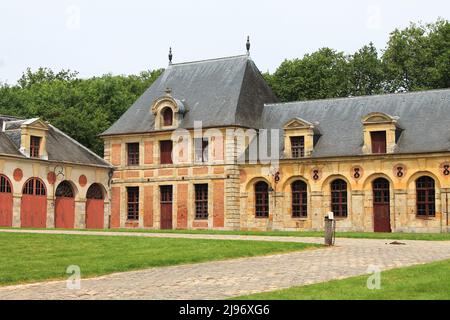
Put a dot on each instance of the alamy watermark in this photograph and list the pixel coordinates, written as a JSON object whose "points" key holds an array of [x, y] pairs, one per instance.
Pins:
{"points": [[74, 280]]}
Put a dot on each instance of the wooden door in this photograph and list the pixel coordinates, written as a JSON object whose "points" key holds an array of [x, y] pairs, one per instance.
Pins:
{"points": [[6, 202], [95, 208], [65, 206], [381, 206], [166, 207], [378, 141], [33, 209]]}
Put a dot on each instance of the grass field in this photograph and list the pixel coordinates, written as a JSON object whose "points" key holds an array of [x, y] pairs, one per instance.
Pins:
{"points": [[360, 235], [422, 282], [37, 257]]}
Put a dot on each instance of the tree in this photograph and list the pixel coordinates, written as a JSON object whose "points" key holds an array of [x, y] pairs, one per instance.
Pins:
{"points": [[366, 72], [418, 57], [322, 74]]}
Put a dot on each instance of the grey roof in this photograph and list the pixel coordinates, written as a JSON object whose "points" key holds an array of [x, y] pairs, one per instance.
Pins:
{"points": [[60, 147], [423, 116], [218, 92]]}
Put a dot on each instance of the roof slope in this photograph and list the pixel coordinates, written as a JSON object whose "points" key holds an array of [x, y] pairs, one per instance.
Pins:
{"points": [[219, 92], [60, 147], [423, 116]]}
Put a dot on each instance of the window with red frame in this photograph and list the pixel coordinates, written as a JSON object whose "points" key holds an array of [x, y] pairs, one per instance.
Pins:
{"points": [[339, 198], [35, 143], [133, 203], [133, 154], [425, 197], [298, 147], [201, 201], [34, 187], [165, 148], [201, 150], [299, 199], [5, 185], [167, 117], [261, 200], [378, 142]]}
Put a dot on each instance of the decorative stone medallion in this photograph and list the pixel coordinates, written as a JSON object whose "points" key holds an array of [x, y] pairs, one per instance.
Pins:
{"points": [[399, 171], [316, 174], [445, 169], [18, 174], [357, 172], [51, 177], [82, 180]]}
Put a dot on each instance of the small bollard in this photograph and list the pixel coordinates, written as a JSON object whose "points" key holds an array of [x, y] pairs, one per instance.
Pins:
{"points": [[329, 229]]}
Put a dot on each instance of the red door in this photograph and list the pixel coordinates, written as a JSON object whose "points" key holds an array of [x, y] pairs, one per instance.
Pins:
{"points": [[381, 206], [6, 202], [33, 209], [95, 208], [65, 206], [166, 207]]}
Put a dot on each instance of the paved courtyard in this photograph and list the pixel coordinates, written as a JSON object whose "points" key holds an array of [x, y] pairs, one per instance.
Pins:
{"points": [[225, 279]]}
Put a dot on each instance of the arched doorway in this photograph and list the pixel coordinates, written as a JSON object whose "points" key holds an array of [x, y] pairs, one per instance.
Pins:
{"points": [[381, 205], [95, 207], [33, 209], [6, 202], [65, 206]]}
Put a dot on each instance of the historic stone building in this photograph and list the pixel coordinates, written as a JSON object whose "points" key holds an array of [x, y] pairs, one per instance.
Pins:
{"points": [[192, 152], [49, 180]]}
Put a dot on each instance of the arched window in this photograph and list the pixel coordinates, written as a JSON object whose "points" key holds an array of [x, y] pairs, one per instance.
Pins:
{"points": [[167, 115], [64, 190], [261, 200], [299, 199], [34, 187], [339, 198], [425, 197], [95, 192], [5, 185]]}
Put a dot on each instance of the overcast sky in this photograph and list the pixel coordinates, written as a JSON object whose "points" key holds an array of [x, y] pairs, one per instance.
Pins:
{"points": [[123, 37]]}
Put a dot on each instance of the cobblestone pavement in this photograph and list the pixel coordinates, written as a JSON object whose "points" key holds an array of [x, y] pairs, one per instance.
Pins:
{"points": [[225, 279]]}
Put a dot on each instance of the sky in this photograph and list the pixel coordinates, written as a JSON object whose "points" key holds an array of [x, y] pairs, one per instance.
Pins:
{"points": [[95, 37]]}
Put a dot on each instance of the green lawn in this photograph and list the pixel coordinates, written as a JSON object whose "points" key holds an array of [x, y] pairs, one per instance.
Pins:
{"points": [[36, 257], [423, 282], [366, 235]]}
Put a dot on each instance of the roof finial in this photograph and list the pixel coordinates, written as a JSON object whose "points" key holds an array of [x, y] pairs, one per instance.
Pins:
{"points": [[248, 45], [170, 55]]}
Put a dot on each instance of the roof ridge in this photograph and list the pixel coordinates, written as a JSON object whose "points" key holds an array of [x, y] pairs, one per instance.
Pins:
{"points": [[358, 97], [208, 60]]}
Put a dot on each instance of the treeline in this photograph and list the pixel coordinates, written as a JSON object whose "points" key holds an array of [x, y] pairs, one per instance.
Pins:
{"points": [[415, 58]]}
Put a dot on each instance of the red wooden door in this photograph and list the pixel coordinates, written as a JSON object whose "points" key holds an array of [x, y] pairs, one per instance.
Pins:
{"points": [[95, 207], [381, 206], [65, 206], [95, 214], [166, 207], [378, 141], [6, 202], [33, 209], [64, 213]]}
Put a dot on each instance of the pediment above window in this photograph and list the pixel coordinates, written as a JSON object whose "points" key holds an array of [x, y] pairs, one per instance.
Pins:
{"points": [[298, 123], [379, 117]]}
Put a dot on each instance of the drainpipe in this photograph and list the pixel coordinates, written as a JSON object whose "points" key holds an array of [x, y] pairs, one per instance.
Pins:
{"points": [[446, 206]]}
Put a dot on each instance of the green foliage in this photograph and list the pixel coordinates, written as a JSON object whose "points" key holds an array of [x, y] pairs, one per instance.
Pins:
{"points": [[416, 58], [82, 108]]}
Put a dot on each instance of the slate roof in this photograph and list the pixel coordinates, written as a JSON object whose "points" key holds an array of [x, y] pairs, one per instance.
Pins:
{"points": [[60, 147], [219, 92], [423, 116]]}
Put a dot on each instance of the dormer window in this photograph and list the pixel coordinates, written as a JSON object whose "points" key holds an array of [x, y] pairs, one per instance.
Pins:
{"points": [[35, 143], [380, 132], [300, 136], [298, 147], [167, 115], [378, 141], [168, 111]]}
